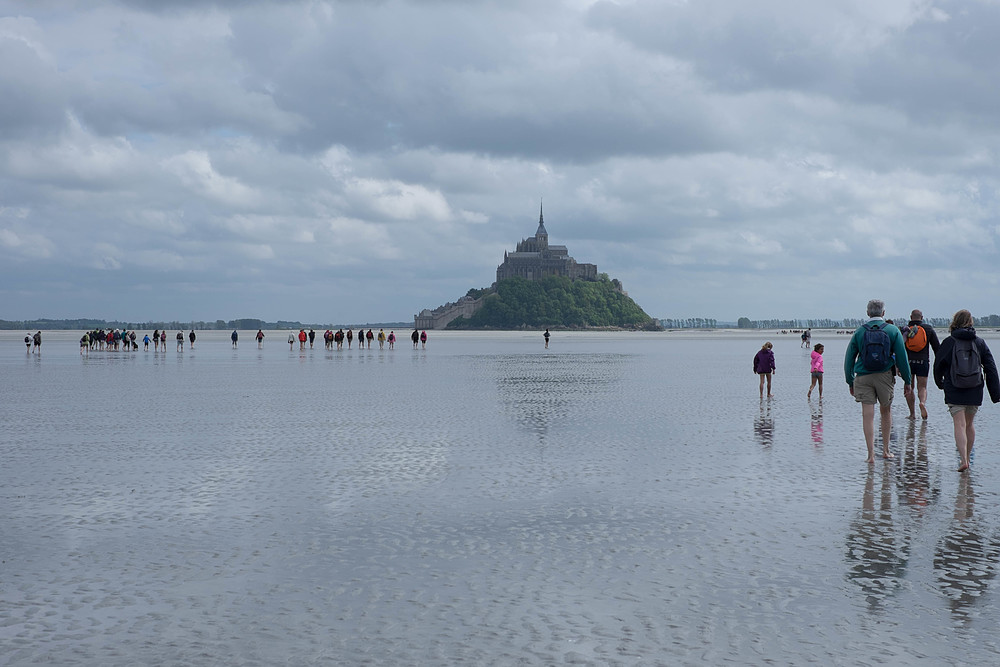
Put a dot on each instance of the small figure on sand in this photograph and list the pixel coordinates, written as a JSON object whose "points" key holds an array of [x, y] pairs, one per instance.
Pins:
{"points": [[423, 339], [235, 337], [546, 334], [260, 339], [763, 365], [415, 337], [816, 370]]}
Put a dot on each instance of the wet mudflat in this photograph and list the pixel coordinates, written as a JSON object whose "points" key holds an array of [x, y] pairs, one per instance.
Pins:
{"points": [[615, 499]]}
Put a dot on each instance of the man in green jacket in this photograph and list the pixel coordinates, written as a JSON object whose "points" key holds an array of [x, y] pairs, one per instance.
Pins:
{"points": [[876, 385]]}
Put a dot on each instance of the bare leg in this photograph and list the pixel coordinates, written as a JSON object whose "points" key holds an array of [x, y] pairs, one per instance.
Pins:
{"points": [[811, 385], [962, 440], [921, 396], [769, 394], [868, 424], [886, 411], [761, 385], [820, 380], [911, 400]]}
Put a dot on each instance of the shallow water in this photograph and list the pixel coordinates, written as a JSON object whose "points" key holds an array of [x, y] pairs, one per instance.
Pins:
{"points": [[620, 498]]}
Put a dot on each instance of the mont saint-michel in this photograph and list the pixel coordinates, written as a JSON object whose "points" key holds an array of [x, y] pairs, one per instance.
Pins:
{"points": [[540, 285]]}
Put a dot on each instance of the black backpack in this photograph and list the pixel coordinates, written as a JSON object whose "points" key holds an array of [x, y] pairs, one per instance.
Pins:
{"points": [[876, 348], [966, 365]]}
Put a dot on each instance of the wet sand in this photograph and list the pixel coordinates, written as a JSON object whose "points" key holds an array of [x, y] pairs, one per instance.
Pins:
{"points": [[620, 498]]}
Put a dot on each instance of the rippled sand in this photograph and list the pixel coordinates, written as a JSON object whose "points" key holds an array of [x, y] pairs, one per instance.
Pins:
{"points": [[616, 499]]}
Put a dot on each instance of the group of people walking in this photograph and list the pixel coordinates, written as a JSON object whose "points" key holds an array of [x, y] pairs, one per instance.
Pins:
{"points": [[879, 350], [337, 338], [127, 340]]}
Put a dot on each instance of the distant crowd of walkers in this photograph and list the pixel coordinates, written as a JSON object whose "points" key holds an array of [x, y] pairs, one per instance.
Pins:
{"points": [[115, 339]]}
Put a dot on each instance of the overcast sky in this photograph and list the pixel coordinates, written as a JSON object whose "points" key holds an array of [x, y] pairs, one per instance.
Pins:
{"points": [[360, 161]]}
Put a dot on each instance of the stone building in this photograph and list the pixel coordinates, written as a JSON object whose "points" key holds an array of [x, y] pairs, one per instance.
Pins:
{"points": [[534, 259]]}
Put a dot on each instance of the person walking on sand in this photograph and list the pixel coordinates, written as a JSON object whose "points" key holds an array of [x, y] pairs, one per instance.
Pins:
{"points": [[312, 337], [369, 337], [156, 340], [392, 339], [816, 370], [381, 339], [302, 339], [920, 340], [350, 337], [763, 365], [163, 340], [873, 350], [423, 339], [180, 341], [260, 339], [291, 340], [546, 335], [235, 337], [192, 337], [960, 365], [415, 337], [145, 343]]}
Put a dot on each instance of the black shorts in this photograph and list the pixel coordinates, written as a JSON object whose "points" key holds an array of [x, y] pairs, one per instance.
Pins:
{"points": [[920, 367]]}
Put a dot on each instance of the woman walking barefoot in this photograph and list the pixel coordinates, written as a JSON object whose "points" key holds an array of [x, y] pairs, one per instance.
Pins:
{"points": [[959, 368]]}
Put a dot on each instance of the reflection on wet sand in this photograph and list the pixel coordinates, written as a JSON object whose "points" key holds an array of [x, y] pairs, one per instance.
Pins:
{"points": [[914, 477], [763, 424], [542, 391], [965, 558], [878, 553], [816, 424]]}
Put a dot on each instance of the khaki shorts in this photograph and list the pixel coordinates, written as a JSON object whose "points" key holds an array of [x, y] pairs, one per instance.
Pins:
{"points": [[874, 388], [967, 409]]}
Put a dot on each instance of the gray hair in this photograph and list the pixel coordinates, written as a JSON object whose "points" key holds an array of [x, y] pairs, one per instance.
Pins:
{"points": [[876, 308]]}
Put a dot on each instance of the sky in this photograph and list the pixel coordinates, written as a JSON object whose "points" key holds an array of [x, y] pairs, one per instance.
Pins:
{"points": [[360, 161]]}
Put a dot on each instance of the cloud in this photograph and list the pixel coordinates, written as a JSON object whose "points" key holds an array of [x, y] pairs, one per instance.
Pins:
{"points": [[702, 152]]}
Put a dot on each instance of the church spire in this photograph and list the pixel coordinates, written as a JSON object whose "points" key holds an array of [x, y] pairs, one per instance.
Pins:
{"points": [[541, 224]]}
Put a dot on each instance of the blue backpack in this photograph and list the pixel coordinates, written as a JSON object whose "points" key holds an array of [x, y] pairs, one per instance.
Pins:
{"points": [[876, 348]]}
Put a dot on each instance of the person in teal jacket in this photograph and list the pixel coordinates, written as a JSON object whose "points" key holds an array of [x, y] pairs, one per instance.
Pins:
{"points": [[869, 387]]}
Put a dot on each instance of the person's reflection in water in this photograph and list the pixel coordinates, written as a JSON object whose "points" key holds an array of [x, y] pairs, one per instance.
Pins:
{"points": [[965, 560], [763, 425], [914, 471], [878, 556], [816, 424]]}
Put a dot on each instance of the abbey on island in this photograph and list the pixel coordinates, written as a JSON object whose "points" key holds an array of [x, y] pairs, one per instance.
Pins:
{"points": [[532, 259]]}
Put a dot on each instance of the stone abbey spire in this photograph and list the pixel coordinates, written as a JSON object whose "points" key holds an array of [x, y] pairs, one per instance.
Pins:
{"points": [[534, 258]]}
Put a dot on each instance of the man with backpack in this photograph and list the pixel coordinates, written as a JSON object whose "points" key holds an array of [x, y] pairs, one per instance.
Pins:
{"points": [[875, 348], [920, 340]]}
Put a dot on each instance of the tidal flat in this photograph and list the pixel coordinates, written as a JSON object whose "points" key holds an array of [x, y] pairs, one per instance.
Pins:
{"points": [[616, 499]]}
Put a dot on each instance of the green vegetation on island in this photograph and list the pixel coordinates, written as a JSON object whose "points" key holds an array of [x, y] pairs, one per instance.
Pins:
{"points": [[555, 301]]}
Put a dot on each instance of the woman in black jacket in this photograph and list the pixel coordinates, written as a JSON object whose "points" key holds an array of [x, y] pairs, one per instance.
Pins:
{"points": [[964, 401]]}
